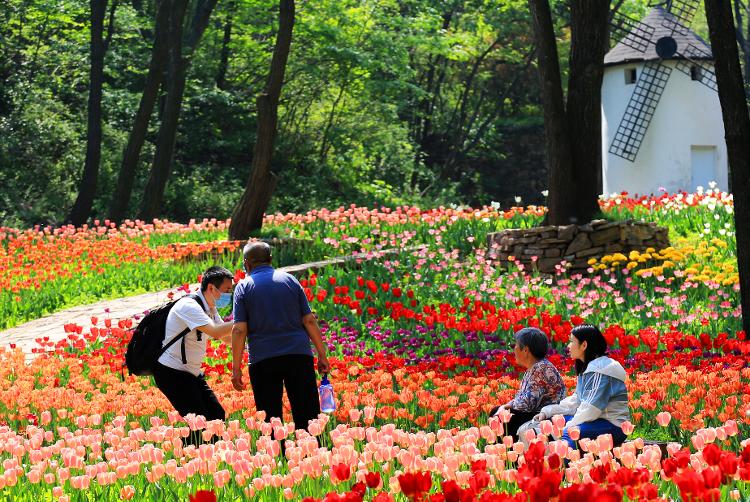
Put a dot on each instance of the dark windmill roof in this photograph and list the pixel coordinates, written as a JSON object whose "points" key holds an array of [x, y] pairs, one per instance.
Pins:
{"points": [[621, 53]]}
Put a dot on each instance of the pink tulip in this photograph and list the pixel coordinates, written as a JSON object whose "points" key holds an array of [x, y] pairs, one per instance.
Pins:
{"points": [[504, 414], [369, 412], [604, 442], [558, 421], [663, 418], [34, 476], [709, 434], [698, 442], [731, 427], [546, 427], [721, 433], [627, 427], [127, 492], [574, 433], [628, 460]]}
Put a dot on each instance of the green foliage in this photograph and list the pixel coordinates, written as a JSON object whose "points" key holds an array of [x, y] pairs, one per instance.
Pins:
{"points": [[384, 102]]}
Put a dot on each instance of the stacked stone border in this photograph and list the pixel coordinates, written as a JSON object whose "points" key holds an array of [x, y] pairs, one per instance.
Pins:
{"points": [[544, 248]]}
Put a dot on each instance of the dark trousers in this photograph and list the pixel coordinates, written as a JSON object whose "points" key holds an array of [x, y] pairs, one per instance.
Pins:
{"points": [[268, 379], [188, 393], [517, 419]]}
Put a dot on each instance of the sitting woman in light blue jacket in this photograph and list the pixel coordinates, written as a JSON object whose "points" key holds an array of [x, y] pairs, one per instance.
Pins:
{"points": [[599, 404]]}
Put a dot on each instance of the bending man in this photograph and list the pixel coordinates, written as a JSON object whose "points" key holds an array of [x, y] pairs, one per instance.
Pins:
{"points": [[272, 313]]}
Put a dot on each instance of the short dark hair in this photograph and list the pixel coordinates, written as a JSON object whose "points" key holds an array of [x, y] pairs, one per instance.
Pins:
{"points": [[257, 252], [596, 344], [216, 276], [534, 339]]}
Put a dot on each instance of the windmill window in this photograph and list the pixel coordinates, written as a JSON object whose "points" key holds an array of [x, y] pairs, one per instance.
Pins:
{"points": [[631, 75], [695, 73]]}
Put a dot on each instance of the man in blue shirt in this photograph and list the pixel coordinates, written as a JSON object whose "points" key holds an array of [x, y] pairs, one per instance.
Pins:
{"points": [[272, 313]]}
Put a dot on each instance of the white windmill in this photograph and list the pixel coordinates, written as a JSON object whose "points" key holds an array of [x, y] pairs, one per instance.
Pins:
{"points": [[661, 129]]}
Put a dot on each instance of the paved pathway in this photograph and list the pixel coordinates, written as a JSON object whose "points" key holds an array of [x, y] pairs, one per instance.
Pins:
{"points": [[50, 328]]}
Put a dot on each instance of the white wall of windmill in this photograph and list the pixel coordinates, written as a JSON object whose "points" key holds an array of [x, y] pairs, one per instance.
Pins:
{"points": [[687, 129]]}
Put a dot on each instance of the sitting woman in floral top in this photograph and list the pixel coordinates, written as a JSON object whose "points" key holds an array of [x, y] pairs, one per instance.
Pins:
{"points": [[541, 385]]}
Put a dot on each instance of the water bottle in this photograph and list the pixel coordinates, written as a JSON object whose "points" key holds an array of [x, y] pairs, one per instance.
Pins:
{"points": [[327, 402]]}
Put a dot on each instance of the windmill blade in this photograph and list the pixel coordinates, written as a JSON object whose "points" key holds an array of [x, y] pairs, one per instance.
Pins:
{"points": [[630, 32], [640, 110], [680, 16], [696, 60]]}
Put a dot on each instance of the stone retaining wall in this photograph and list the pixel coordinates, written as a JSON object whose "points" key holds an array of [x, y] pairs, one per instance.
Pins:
{"points": [[543, 248]]}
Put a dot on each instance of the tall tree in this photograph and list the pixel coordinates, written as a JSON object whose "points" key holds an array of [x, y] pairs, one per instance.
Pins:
{"points": [[174, 85], [156, 69], [87, 188], [734, 110], [557, 140], [178, 62], [572, 130], [588, 45], [742, 12], [221, 72], [248, 215]]}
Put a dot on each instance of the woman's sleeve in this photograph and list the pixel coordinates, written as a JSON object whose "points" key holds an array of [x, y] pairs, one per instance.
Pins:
{"points": [[567, 406], [594, 399]]}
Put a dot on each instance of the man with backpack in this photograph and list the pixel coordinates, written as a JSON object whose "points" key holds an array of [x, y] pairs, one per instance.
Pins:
{"points": [[177, 372]]}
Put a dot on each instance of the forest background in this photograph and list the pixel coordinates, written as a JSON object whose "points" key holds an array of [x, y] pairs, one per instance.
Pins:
{"points": [[384, 102]]}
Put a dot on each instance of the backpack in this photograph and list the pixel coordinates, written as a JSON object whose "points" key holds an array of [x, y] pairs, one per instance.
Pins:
{"points": [[145, 346]]}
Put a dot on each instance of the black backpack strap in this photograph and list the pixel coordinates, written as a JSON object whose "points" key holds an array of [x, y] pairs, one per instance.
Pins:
{"points": [[174, 340], [183, 335], [198, 334], [182, 348]]}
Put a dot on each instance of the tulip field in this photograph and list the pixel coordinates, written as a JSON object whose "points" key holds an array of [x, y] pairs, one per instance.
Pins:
{"points": [[421, 347]]}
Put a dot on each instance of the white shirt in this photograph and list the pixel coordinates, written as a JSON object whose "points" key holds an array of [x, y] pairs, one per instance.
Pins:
{"points": [[187, 313]]}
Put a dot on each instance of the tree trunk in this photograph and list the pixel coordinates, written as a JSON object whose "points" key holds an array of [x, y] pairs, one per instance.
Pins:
{"points": [[743, 38], [87, 188], [129, 165], [175, 87], [588, 45], [248, 215], [561, 200], [221, 73], [737, 133], [178, 62]]}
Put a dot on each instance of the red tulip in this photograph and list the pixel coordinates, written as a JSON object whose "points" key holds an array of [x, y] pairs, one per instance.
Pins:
{"points": [[203, 496], [415, 484], [372, 479], [451, 491], [712, 454], [341, 472]]}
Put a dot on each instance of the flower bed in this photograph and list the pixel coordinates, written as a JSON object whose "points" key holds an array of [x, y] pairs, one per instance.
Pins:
{"points": [[421, 350]]}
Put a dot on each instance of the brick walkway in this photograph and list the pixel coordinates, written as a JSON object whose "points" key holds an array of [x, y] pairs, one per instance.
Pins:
{"points": [[51, 326]]}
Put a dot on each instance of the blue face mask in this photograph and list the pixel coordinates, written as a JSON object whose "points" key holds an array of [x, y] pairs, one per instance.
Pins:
{"points": [[223, 300]]}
